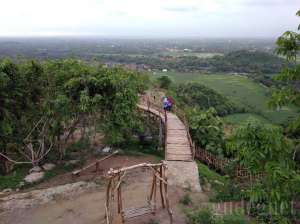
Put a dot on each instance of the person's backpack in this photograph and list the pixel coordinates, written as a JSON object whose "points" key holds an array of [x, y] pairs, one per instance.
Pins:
{"points": [[170, 99]]}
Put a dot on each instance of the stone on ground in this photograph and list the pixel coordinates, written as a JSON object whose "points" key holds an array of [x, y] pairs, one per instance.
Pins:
{"points": [[34, 177], [106, 149], [48, 166], [35, 169], [72, 162]]}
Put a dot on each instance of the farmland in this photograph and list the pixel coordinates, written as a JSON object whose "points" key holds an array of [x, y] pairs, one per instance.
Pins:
{"points": [[241, 90]]}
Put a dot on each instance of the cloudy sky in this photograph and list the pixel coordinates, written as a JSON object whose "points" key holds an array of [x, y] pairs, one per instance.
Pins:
{"points": [[149, 18]]}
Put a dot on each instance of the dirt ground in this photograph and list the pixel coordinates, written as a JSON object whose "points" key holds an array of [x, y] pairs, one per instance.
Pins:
{"points": [[116, 161], [88, 208]]}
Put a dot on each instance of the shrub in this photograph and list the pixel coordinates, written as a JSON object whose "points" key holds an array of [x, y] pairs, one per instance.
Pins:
{"points": [[235, 218], [186, 200], [164, 82], [204, 216], [206, 129], [230, 191]]}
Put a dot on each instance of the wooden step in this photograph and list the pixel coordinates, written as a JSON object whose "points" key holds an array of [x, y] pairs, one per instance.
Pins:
{"points": [[135, 212], [178, 147], [177, 132], [179, 158], [178, 141], [187, 154], [179, 151]]}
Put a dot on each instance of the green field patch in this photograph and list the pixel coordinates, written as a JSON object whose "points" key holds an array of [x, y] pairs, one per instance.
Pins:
{"points": [[241, 90], [190, 54], [237, 119]]}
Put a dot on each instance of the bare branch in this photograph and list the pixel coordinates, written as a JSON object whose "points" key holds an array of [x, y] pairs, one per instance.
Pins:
{"points": [[13, 161]]}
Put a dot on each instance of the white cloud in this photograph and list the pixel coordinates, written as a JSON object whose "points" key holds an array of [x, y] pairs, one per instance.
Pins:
{"points": [[145, 17]]}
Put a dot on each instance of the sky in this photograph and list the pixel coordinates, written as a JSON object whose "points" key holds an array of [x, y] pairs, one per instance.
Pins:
{"points": [[148, 18]]}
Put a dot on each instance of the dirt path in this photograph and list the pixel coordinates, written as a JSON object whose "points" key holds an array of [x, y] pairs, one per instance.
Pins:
{"points": [[88, 207]]}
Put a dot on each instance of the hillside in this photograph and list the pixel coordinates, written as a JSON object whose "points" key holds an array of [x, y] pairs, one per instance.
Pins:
{"points": [[241, 90]]}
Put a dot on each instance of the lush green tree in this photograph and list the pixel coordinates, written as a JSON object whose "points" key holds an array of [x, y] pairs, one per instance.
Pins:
{"points": [[206, 129], [264, 149], [288, 45]]}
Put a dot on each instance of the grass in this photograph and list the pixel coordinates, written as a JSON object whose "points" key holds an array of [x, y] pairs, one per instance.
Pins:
{"points": [[207, 216], [208, 175], [241, 90], [222, 187], [236, 119], [137, 148], [16, 177], [12, 180], [186, 200]]}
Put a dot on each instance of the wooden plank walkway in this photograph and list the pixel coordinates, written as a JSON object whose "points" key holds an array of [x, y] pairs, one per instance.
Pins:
{"points": [[177, 143], [177, 146]]}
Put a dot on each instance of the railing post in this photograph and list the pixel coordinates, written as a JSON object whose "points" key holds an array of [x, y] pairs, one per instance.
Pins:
{"points": [[166, 133]]}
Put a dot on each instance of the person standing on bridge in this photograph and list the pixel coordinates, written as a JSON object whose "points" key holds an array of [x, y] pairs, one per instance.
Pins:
{"points": [[170, 103], [165, 103]]}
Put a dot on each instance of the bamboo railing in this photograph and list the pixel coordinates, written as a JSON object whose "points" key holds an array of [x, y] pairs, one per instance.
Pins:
{"points": [[220, 164]]}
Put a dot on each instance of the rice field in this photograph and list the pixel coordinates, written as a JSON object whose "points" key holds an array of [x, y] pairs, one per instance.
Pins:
{"points": [[240, 90]]}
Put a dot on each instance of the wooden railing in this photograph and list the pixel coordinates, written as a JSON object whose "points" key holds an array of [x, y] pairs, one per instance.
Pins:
{"points": [[219, 164]]}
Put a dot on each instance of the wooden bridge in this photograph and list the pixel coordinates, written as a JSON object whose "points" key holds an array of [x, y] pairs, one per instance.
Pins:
{"points": [[178, 143], [179, 148]]}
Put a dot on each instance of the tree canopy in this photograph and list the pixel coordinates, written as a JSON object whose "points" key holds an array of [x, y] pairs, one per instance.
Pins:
{"points": [[43, 102]]}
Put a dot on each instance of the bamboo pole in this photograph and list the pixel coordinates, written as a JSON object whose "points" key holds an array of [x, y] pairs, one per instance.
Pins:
{"points": [[161, 187], [166, 194], [155, 190], [119, 198], [107, 205], [112, 171], [77, 172], [152, 189]]}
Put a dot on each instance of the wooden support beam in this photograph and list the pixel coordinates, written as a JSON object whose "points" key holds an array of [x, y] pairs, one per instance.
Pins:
{"points": [[77, 172], [116, 171]]}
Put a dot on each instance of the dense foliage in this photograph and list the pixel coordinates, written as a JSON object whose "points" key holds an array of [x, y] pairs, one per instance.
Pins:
{"points": [[264, 149], [206, 129], [289, 47], [198, 95], [207, 216], [43, 102], [164, 82]]}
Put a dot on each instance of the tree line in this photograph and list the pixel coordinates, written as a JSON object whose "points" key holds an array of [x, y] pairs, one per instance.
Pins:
{"points": [[242, 61]]}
